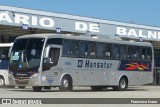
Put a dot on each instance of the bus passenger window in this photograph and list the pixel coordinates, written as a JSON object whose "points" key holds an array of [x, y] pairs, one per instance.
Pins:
{"points": [[130, 52], [133, 52], [146, 53], [107, 53], [92, 49], [115, 52], [84, 49], [74, 48], [123, 52], [100, 51], [136, 52], [143, 53], [70, 48], [66, 48], [149, 53]]}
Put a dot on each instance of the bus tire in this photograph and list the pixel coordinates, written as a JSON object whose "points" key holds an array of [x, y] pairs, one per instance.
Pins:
{"points": [[123, 85], [2, 81], [37, 88], [21, 87], [66, 84], [98, 88]]}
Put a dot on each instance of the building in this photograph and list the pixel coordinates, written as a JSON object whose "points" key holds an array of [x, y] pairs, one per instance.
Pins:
{"points": [[19, 21]]}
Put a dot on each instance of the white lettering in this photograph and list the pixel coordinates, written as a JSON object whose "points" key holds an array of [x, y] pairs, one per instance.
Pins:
{"points": [[141, 34], [94, 28], [137, 33], [121, 31], [46, 22], [132, 32], [152, 35], [19, 18], [29, 20], [34, 20], [138, 102], [5, 17]]}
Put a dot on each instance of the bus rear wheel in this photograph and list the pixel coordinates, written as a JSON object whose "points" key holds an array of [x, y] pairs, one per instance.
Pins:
{"points": [[37, 88], [123, 85], [66, 84]]}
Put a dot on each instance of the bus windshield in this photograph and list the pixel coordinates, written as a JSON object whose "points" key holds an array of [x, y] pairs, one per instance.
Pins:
{"points": [[26, 53]]}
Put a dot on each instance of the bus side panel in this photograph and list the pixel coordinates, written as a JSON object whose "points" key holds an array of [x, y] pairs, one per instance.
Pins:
{"points": [[134, 77], [89, 72]]}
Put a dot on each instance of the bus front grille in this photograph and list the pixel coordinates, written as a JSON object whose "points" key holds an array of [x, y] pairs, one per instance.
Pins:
{"points": [[22, 80]]}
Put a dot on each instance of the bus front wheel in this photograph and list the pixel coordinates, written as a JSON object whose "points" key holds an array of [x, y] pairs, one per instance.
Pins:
{"points": [[66, 84], [2, 83], [37, 88], [123, 85]]}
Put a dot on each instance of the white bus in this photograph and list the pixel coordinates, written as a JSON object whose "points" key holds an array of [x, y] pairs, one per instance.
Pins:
{"points": [[4, 61], [55, 60]]}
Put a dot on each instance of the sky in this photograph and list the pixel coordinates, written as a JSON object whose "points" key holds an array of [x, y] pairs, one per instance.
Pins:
{"points": [[146, 12]]}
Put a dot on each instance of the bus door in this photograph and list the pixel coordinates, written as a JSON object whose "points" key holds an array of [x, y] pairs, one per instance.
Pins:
{"points": [[50, 62], [51, 57]]}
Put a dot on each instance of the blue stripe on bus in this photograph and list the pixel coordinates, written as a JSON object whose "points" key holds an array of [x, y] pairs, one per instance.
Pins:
{"points": [[4, 64]]}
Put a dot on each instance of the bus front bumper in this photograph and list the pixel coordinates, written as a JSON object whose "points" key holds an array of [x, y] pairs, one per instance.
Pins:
{"points": [[24, 81]]}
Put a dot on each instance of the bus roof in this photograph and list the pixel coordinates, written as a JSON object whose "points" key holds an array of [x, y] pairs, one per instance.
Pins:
{"points": [[65, 36], [6, 44]]}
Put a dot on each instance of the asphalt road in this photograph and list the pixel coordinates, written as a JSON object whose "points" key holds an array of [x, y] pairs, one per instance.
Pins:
{"points": [[84, 92]]}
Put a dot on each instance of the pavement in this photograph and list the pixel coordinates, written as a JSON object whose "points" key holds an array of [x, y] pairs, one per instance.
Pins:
{"points": [[148, 92]]}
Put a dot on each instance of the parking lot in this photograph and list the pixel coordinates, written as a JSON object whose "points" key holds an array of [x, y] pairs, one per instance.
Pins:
{"points": [[83, 92]]}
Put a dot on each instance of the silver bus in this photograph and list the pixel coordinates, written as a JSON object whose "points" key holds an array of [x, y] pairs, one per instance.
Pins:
{"points": [[56, 60]]}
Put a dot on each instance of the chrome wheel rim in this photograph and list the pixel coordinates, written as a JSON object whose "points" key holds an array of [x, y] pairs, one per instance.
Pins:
{"points": [[1, 82], [65, 83], [123, 84]]}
